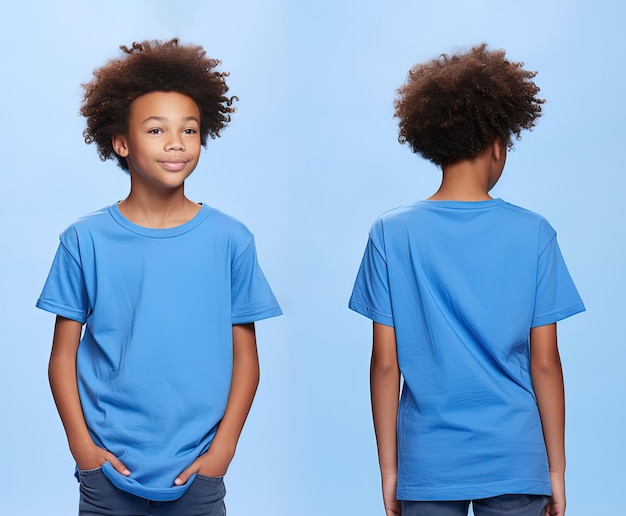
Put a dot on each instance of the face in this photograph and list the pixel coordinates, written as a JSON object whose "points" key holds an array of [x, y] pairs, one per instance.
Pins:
{"points": [[162, 146]]}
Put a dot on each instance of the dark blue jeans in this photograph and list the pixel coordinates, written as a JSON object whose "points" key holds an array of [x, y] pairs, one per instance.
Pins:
{"points": [[509, 505], [99, 497]]}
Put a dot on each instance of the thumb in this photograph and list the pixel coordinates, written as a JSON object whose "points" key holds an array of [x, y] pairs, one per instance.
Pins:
{"points": [[117, 465], [184, 476]]}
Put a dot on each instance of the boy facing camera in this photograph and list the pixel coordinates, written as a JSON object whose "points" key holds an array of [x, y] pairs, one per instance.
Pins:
{"points": [[154, 363]]}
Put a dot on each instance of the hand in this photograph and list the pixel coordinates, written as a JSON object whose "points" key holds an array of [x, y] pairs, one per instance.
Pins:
{"points": [[556, 507], [391, 503], [213, 463], [92, 457]]}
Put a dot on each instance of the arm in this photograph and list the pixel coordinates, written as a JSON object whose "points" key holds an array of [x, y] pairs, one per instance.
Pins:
{"points": [[385, 390], [62, 375], [242, 390], [547, 377]]}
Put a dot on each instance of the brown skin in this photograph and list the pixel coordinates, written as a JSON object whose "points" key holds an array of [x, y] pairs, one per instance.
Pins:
{"points": [[242, 390], [162, 148], [146, 67], [215, 462], [470, 180], [547, 376], [62, 375], [385, 393], [452, 107]]}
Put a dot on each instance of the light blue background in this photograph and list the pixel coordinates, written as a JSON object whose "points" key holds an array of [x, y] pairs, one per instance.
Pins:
{"points": [[311, 158]]}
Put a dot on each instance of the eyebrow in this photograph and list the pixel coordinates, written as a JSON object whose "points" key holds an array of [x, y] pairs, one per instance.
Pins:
{"points": [[165, 119]]}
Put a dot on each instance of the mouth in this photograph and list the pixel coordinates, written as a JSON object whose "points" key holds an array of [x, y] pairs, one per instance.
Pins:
{"points": [[173, 165]]}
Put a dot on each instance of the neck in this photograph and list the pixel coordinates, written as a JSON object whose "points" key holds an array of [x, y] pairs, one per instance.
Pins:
{"points": [[471, 179], [457, 185], [158, 209]]}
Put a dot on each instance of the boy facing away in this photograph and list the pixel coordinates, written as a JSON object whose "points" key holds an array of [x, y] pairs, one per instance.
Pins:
{"points": [[155, 393], [464, 292]]}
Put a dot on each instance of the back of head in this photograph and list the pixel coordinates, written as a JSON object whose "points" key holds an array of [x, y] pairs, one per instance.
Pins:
{"points": [[153, 66], [451, 108]]}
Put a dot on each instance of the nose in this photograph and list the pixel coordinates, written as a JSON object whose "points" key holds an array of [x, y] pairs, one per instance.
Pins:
{"points": [[175, 143]]}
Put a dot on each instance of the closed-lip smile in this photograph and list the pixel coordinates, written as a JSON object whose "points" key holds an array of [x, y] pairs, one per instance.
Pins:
{"points": [[173, 165]]}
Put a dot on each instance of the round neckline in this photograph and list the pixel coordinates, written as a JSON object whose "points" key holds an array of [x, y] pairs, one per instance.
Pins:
{"points": [[197, 219], [463, 205]]}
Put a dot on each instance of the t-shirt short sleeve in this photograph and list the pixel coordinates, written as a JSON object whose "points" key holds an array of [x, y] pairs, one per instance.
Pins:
{"points": [[64, 292], [556, 296], [370, 296], [252, 297]]}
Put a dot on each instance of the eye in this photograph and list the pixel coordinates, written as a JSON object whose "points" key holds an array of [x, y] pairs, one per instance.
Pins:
{"points": [[156, 130], [190, 130]]}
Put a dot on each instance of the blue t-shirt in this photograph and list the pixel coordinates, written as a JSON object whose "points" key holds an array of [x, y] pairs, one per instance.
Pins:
{"points": [[155, 360], [462, 283]]}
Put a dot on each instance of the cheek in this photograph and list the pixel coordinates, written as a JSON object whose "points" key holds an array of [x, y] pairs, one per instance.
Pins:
{"points": [[196, 146]]}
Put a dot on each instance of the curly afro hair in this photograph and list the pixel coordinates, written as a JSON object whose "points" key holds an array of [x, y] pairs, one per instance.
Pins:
{"points": [[153, 66], [451, 108]]}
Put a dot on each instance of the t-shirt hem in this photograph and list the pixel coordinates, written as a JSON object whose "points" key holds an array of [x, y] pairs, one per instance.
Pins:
{"points": [[559, 315], [531, 487], [157, 494], [370, 313], [61, 310], [257, 315]]}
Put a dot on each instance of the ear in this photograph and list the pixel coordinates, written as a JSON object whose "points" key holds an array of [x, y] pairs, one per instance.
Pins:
{"points": [[497, 149], [120, 146]]}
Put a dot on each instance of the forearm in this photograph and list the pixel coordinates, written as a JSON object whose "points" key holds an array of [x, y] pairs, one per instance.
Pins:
{"points": [[385, 389], [547, 377], [551, 403], [62, 377], [244, 383]]}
